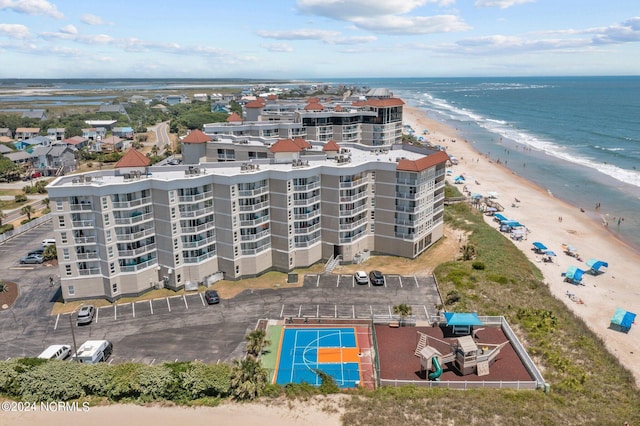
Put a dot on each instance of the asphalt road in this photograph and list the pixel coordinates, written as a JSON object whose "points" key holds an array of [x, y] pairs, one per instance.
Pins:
{"points": [[184, 327]]}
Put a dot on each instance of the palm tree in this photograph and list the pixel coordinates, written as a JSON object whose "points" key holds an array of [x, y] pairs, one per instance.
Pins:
{"points": [[27, 210], [248, 378], [403, 310], [45, 202], [468, 251], [2, 216], [256, 341]]}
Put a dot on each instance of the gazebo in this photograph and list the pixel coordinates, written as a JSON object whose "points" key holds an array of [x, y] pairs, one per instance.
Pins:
{"points": [[461, 322]]}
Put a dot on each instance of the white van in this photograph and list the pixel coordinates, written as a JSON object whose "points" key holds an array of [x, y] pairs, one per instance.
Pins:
{"points": [[48, 242], [93, 351], [56, 352]]}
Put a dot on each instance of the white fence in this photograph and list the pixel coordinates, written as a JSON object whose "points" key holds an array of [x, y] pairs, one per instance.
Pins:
{"points": [[24, 228]]}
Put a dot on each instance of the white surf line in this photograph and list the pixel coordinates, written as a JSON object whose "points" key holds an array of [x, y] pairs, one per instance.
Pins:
{"points": [[282, 310], [55, 326], [184, 297], [151, 306]]}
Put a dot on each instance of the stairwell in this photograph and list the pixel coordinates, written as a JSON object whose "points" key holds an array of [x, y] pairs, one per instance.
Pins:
{"points": [[422, 342]]}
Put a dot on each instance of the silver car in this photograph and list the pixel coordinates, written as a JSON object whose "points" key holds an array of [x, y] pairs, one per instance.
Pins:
{"points": [[32, 258], [360, 277], [85, 314]]}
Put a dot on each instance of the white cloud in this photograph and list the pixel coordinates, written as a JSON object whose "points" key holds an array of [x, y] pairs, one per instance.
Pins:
{"points": [[32, 7], [412, 25], [502, 4], [298, 34], [90, 19], [277, 47], [15, 31], [69, 29], [345, 10], [352, 40]]}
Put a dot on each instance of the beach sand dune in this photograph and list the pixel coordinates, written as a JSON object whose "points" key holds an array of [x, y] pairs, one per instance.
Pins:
{"points": [[554, 223]]}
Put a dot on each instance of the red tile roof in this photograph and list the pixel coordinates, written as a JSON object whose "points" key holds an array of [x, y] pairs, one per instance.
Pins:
{"points": [[258, 103], [389, 102], [234, 118], [338, 108], [314, 106], [331, 146], [285, 145], [302, 143], [422, 163], [313, 100], [272, 97], [133, 158], [196, 136]]}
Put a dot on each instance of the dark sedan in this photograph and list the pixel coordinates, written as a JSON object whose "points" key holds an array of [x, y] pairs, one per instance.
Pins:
{"points": [[376, 278], [211, 296]]}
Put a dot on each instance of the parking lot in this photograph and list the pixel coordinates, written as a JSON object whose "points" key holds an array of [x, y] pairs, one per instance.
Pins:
{"points": [[185, 327]]}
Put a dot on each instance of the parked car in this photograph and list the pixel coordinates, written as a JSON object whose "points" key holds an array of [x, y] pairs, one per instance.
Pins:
{"points": [[39, 250], [376, 278], [32, 258], [85, 315], [361, 277], [48, 242], [211, 296]]}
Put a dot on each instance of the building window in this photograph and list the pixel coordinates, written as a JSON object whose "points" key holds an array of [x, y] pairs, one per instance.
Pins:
{"points": [[177, 259], [112, 267], [114, 288], [59, 206], [65, 254], [108, 236], [237, 270], [67, 270], [110, 251], [106, 219], [71, 290], [105, 203], [175, 243], [174, 228], [61, 221], [172, 196], [173, 212], [179, 278], [63, 237]]}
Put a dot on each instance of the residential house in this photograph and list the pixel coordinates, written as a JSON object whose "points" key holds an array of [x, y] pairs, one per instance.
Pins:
{"points": [[56, 134], [113, 143], [37, 114], [38, 140], [5, 131], [220, 107], [200, 97], [176, 99], [23, 133], [4, 149], [118, 108], [19, 157], [94, 133], [77, 142], [123, 132], [107, 124], [54, 160]]}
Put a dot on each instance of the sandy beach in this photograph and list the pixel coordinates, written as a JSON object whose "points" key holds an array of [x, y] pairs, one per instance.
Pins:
{"points": [[554, 223]]}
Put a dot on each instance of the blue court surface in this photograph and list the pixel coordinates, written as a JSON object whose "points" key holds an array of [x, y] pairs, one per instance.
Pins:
{"points": [[332, 350]]}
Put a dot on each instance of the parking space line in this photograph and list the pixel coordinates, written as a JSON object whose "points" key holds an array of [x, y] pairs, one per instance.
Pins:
{"points": [[282, 311], [151, 306], [389, 306], [426, 314], [318, 281], [300, 311], [185, 302], [353, 311], [400, 279], [152, 361], [133, 309], [168, 304], [317, 311], [55, 326], [371, 310], [201, 299], [416, 279], [335, 311], [115, 312], [97, 314], [338, 281]]}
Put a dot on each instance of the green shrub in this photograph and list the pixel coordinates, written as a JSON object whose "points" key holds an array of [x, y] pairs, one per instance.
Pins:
{"points": [[327, 384], [478, 266], [6, 228], [207, 380], [20, 198], [52, 381]]}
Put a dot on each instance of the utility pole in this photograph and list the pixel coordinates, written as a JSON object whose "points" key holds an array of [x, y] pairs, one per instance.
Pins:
{"points": [[73, 335]]}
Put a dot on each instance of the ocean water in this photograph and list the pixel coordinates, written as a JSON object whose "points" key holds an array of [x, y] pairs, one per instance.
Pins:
{"points": [[577, 137]]}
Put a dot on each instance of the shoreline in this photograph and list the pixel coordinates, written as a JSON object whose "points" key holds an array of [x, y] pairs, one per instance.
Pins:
{"points": [[554, 222]]}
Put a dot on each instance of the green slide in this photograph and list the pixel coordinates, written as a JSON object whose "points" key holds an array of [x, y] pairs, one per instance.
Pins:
{"points": [[438, 372]]}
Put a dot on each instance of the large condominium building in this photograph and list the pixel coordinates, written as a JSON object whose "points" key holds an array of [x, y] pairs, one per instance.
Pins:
{"points": [[125, 231]]}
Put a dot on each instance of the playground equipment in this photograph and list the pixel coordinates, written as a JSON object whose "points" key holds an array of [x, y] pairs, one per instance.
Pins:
{"points": [[466, 356]]}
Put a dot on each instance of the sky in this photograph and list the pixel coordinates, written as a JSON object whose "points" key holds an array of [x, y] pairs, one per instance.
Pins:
{"points": [[306, 39]]}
